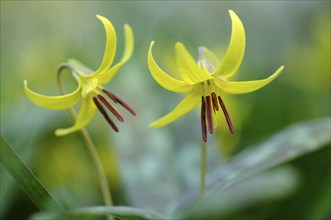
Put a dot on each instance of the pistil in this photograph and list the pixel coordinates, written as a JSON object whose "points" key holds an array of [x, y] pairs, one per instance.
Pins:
{"points": [[214, 101]]}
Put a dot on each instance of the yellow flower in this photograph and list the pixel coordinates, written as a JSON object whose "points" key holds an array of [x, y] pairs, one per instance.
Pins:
{"points": [[206, 79], [90, 84]]}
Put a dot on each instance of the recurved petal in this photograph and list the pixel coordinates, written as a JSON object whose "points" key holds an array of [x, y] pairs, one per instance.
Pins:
{"points": [[110, 49], [86, 113], [128, 50], [210, 56], [188, 68], [248, 86], [186, 105], [235, 51], [163, 78], [80, 68], [53, 102]]}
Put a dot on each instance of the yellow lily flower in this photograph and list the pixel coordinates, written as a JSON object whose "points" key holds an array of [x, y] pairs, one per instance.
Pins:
{"points": [[206, 79], [90, 84]]}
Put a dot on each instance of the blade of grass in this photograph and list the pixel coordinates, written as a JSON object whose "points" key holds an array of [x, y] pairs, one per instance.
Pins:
{"points": [[121, 212], [26, 179]]}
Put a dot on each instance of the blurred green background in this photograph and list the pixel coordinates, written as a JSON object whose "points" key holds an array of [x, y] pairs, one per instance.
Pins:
{"points": [[146, 167]]}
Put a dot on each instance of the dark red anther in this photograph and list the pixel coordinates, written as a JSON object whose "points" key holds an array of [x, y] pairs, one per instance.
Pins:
{"points": [[110, 95], [209, 115], [116, 99], [111, 108], [227, 116], [203, 120], [214, 101], [104, 113], [125, 105]]}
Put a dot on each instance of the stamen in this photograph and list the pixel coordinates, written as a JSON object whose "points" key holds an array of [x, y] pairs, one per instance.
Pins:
{"points": [[110, 95], [104, 113], [111, 108], [121, 102], [214, 101], [209, 115], [203, 120], [227, 116]]}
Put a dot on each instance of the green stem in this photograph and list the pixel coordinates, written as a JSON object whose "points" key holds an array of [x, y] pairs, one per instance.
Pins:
{"points": [[203, 170], [101, 174], [104, 186]]}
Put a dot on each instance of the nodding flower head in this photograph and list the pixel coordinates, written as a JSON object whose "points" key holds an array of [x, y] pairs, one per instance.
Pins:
{"points": [[90, 90], [206, 79]]}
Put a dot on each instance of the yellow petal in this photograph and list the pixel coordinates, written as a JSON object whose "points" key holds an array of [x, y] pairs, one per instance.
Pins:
{"points": [[110, 49], [235, 51], [188, 68], [86, 113], [210, 56], [80, 68], [53, 102], [163, 78], [248, 86], [186, 105], [128, 50]]}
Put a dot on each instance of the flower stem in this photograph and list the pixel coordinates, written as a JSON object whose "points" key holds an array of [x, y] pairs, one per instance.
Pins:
{"points": [[104, 186], [203, 170], [105, 189]]}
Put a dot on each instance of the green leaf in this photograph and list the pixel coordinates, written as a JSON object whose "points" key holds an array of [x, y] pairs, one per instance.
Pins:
{"points": [[292, 142], [275, 184], [19, 117], [122, 212], [25, 178]]}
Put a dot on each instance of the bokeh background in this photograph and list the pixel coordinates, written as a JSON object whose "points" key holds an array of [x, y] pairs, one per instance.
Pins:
{"points": [[146, 167]]}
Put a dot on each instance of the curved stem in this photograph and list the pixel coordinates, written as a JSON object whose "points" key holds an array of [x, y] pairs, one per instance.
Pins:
{"points": [[203, 170], [104, 186]]}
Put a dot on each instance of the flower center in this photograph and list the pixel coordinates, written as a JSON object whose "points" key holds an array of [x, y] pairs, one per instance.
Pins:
{"points": [[210, 102], [91, 88], [210, 99]]}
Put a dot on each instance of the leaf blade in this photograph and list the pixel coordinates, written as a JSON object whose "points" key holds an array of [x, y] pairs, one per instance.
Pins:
{"points": [[122, 212], [296, 140], [28, 182], [292, 142]]}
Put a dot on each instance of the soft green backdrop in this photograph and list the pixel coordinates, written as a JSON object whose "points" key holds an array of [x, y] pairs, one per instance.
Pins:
{"points": [[150, 167]]}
